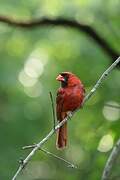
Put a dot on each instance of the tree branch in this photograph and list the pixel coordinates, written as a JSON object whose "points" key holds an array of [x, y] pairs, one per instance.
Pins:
{"points": [[44, 140], [41, 22], [53, 109], [71, 165], [111, 161]]}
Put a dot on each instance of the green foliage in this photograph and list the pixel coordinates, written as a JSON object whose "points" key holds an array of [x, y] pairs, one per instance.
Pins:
{"points": [[30, 61]]}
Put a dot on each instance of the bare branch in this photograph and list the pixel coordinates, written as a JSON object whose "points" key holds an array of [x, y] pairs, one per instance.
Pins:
{"points": [[111, 161], [71, 165], [71, 23], [53, 110], [60, 158], [29, 146], [44, 140], [104, 75]]}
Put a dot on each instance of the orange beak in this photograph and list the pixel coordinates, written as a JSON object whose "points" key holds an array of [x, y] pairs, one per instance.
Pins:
{"points": [[60, 78]]}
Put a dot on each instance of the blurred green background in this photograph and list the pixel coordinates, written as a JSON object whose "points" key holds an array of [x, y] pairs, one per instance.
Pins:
{"points": [[30, 60]]}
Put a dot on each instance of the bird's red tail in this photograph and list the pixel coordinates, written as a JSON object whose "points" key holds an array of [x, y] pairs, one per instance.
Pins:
{"points": [[62, 137]]}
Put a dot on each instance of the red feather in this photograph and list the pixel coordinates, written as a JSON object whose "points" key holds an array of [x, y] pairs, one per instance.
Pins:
{"points": [[69, 97]]}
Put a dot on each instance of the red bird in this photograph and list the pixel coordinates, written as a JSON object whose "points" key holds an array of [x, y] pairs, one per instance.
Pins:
{"points": [[69, 97]]}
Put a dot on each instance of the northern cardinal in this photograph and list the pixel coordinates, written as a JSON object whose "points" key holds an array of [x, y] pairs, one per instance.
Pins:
{"points": [[69, 97]]}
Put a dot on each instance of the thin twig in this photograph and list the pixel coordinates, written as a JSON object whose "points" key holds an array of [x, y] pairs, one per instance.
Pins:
{"points": [[29, 146], [71, 165], [41, 22], [44, 140], [113, 106], [104, 75], [111, 161], [60, 158], [53, 109]]}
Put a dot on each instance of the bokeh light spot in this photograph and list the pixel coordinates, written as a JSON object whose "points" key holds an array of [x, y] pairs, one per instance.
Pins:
{"points": [[106, 143], [34, 91], [33, 67], [25, 80], [111, 113]]}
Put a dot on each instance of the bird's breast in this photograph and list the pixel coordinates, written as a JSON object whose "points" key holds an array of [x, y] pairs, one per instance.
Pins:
{"points": [[73, 98]]}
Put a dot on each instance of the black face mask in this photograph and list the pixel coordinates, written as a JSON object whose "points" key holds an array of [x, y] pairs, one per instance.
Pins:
{"points": [[65, 82]]}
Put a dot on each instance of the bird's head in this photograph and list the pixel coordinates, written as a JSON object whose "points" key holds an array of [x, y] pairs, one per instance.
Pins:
{"points": [[68, 79]]}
